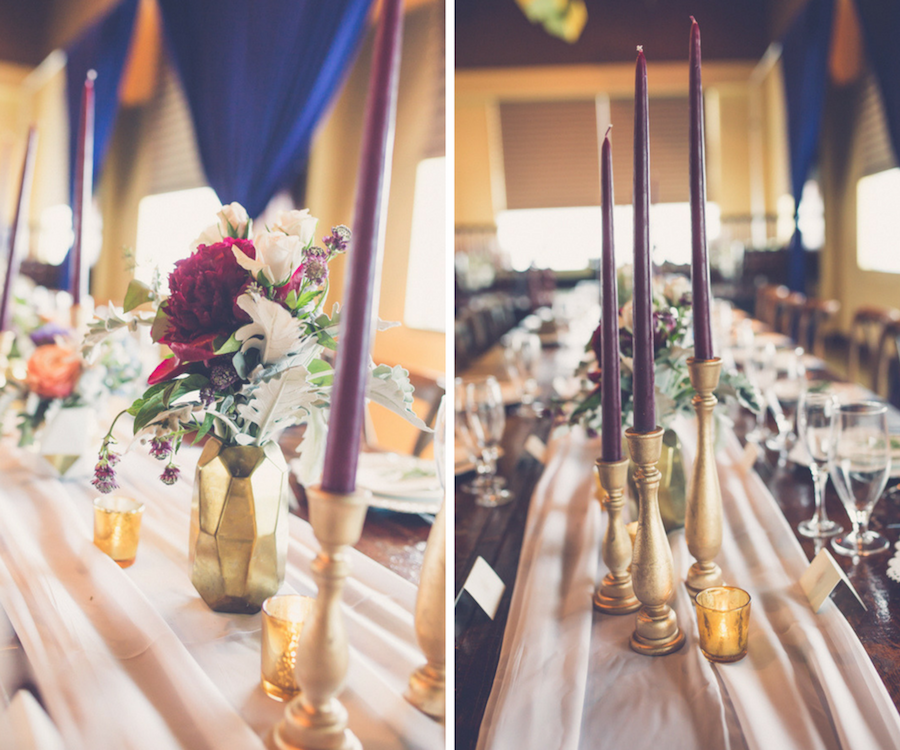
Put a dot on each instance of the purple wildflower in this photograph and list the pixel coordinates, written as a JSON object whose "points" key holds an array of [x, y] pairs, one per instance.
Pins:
{"points": [[104, 477], [316, 268], [223, 375], [161, 448], [337, 241], [169, 475], [207, 396]]}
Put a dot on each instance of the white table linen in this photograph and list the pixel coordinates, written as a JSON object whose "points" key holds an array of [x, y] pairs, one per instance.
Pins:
{"points": [[134, 658], [568, 679]]}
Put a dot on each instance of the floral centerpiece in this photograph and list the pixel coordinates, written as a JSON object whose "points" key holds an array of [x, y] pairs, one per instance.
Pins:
{"points": [[250, 355], [50, 376], [672, 348]]}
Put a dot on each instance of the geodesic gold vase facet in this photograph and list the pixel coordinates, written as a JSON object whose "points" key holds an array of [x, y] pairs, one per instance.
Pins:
{"points": [[239, 525]]}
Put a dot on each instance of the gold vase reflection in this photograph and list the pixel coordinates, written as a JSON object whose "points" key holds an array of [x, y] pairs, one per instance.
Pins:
{"points": [[672, 484], [239, 525]]}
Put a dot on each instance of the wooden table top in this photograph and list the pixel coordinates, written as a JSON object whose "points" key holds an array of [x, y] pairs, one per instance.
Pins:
{"points": [[497, 536]]}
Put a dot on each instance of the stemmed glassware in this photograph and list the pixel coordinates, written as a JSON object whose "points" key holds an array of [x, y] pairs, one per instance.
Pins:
{"points": [[761, 371], [790, 375], [816, 423], [485, 420], [522, 352], [860, 470], [440, 442], [464, 440]]}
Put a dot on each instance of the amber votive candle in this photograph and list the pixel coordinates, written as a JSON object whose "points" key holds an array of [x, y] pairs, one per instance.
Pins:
{"points": [[723, 618], [117, 527], [283, 618]]}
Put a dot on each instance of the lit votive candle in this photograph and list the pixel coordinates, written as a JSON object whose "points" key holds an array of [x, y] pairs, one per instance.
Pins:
{"points": [[282, 622], [723, 618], [117, 527]]}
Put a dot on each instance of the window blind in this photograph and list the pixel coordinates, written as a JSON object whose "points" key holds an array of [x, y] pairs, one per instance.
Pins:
{"points": [[877, 154]]}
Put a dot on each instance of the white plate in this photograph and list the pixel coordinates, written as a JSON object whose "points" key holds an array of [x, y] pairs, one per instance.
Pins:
{"points": [[405, 484]]}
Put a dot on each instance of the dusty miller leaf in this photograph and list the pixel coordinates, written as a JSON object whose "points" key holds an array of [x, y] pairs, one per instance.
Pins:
{"points": [[274, 331], [279, 402]]}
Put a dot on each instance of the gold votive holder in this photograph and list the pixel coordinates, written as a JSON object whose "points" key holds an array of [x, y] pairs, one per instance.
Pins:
{"points": [[117, 527], [283, 618], [723, 619]]}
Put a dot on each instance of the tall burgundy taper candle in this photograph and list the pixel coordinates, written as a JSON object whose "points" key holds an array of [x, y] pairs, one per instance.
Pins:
{"points": [[84, 180], [348, 400], [644, 398], [703, 348], [15, 234], [611, 395]]}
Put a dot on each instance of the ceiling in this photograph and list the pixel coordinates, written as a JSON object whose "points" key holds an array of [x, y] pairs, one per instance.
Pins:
{"points": [[495, 33]]}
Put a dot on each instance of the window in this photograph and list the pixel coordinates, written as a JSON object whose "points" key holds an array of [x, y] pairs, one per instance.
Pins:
{"points": [[167, 225], [568, 239], [425, 286], [878, 222]]}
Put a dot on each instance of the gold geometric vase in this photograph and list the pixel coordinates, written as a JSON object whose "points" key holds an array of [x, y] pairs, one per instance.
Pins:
{"points": [[239, 525]]}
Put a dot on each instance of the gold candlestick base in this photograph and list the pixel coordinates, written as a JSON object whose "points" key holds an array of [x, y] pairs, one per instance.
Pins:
{"points": [[427, 685], [703, 517], [315, 719], [615, 594], [656, 631]]}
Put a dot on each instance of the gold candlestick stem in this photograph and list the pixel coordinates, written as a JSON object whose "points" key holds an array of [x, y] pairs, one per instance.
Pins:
{"points": [[315, 719], [656, 631], [703, 517], [427, 684], [615, 594]]}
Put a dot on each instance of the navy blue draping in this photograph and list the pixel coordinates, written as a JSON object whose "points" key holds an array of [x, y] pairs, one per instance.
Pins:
{"points": [[103, 47], [258, 76], [881, 27], [804, 61]]}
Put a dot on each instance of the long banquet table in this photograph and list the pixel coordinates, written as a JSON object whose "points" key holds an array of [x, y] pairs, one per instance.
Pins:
{"points": [[498, 536], [133, 658]]}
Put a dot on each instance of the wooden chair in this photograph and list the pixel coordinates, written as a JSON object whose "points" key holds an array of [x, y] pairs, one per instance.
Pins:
{"points": [[815, 318], [866, 332], [787, 314], [768, 297], [886, 373]]}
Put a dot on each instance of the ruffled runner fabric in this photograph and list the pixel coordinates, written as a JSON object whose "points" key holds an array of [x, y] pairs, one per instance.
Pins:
{"points": [[567, 678], [134, 658]]}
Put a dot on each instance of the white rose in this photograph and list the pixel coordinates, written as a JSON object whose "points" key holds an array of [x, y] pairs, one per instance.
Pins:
{"points": [[281, 255], [676, 288], [297, 224], [234, 216], [209, 236], [626, 316]]}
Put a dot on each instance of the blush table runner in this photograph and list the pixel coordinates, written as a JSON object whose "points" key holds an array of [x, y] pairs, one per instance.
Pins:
{"points": [[134, 658], [567, 678]]}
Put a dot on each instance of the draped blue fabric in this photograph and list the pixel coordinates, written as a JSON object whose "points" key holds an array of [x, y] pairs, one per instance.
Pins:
{"points": [[804, 60], [258, 76], [881, 27], [103, 47]]}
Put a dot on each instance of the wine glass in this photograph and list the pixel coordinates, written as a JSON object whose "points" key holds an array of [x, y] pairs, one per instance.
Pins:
{"points": [[465, 440], [790, 375], [761, 372], [487, 420], [862, 463], [816, 418], [526, 350]]}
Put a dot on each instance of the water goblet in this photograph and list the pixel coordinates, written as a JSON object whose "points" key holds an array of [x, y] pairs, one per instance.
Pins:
{"points": [[860, 470], [486, 421], [761, 372], [816, 419], [464, 440]]}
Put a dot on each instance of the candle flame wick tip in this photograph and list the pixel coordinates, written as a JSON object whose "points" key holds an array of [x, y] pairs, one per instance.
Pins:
{"points": [[608, 129], [694, 21], [92, 75]]}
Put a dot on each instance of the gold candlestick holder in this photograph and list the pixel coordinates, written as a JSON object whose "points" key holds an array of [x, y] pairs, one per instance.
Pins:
{"points": [[615, 594], [656, 631], [427, 684], [315, 719], [703, 517]]}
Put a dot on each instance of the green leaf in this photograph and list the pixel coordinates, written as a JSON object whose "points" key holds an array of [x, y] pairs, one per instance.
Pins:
{"points": [[231, 345], [208, 422], [304, 299], [291, 300], [148, 411], [136, 295], [240, 365], [327, 340], [160, 324]]}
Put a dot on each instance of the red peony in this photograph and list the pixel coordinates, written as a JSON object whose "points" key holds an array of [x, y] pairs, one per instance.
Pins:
{"points": [[202, 292]]}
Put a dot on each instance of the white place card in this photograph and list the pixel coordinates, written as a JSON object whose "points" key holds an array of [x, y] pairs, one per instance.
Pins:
{"points": [[485, 586], [820, 578], [535, 446]]}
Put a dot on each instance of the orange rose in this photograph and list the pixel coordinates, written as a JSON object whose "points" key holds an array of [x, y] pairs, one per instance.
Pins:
{"points": [[53, 371]]}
